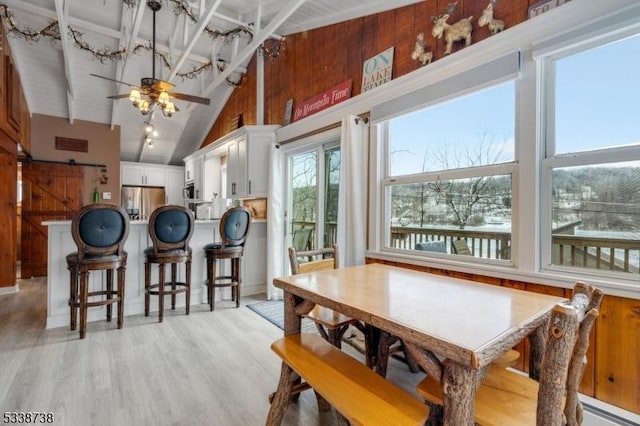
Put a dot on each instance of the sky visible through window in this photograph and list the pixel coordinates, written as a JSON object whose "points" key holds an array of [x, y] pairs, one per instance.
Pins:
{"points": [[597, 93], [424, 140], [596, 99]]}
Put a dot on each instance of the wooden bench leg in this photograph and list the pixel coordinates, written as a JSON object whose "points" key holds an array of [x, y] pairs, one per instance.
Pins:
{"points": [[282, 396], [436, 414]]}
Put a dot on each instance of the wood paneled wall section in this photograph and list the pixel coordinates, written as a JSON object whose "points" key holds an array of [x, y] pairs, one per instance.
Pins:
{"points": [[612, 374], [8, 218], [14, 117], [314, 61]]}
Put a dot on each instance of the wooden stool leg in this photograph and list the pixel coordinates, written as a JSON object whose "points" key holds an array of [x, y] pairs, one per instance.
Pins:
{"points": [[187, 284], [73, 298], [121, 271], [109, 292], [212, 283], [147, 287], [174, 274], [208, 282], [160, 291], [238, 281], [84, 284]]}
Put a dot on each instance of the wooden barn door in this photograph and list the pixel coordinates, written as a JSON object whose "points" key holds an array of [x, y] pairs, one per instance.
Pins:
{"points": [[49, 192]]}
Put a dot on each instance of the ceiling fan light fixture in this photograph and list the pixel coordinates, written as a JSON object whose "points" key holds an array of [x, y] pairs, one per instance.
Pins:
{"points": [[134, 96], [168, 109], [164, 99], [143, 106], [148, 128]]}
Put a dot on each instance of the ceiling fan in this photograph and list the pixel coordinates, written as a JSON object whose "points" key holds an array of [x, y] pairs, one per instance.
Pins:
{"points": [[151, 90]]}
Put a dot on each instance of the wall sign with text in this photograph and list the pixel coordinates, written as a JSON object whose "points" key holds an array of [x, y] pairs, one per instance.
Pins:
{"points": [[544, 6], [333, 96], [377, 70]]}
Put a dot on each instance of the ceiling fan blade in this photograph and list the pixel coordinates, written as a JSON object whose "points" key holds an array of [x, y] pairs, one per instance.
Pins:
{"points": [[190, 98], [156, 85], [111, 79], [124, 95]]}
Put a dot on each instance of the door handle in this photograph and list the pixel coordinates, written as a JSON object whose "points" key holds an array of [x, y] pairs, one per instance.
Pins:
{"points": [[249, 186]]}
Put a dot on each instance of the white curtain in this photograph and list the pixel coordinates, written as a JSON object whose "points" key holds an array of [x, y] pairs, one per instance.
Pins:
{"points": [[275, 222], [352, 199]]}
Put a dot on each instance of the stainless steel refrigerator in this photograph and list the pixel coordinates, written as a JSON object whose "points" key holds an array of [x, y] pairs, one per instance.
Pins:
{"points": [[141, 201]]}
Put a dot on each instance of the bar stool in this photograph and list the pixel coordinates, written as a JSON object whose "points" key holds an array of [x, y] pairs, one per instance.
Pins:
{"points": [[99, 231], [170, 229], [234, 228]]}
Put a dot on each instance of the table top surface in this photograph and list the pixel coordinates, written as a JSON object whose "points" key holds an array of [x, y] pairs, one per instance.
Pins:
{"points": [[456, 312]]}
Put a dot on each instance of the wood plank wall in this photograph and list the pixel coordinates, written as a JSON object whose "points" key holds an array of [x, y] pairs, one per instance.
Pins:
{"points": [[316, 60]]}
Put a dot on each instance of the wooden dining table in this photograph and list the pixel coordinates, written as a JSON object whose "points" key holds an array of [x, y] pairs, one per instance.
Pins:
{"points": [[453, 328]]}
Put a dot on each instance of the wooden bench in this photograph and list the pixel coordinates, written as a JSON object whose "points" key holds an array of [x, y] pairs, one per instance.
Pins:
{"points": [[355, 391]]}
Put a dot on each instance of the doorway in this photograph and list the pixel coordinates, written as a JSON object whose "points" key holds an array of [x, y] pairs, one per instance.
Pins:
{"points": [[48, 192], [313, 176]]}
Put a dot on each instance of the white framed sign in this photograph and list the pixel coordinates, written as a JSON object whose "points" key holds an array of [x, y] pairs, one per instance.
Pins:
{"points": [[377, 70]]}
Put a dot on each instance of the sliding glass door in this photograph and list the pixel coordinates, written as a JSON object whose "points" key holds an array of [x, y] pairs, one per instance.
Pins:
{"points": [[313, 175]]}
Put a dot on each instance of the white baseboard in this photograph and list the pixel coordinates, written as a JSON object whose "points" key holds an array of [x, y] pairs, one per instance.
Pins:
{"points": [[599, 413], [9, 290]]}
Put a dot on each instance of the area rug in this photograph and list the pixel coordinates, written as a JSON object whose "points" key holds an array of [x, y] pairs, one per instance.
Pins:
{"points": [[273, 311]]}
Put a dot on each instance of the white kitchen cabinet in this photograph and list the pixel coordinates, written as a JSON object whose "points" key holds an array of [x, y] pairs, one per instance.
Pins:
{"points": [[189, 169], [211, 177], [248, 160], [142, 174], [174, 185]]}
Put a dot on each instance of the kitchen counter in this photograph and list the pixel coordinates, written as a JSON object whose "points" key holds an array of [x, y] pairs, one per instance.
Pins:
{"points": [[60, 243]]}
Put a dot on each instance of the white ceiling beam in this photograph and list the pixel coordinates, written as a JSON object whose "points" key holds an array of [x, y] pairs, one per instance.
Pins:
{"points": [[62, 15], [195, 35], [284, 14], [98, 29], [121, 66]]}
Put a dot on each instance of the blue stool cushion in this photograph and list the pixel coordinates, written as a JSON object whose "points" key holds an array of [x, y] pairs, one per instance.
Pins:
{"points": [[437, 246], [172, 226], [236, 225], [101, 228]]}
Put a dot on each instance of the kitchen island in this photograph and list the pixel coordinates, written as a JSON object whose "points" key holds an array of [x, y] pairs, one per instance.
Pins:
{"points": [[60, 244]]}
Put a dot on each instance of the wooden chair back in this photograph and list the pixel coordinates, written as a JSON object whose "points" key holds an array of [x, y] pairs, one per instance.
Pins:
{"points": [[565, 356], [100, 230], [324, 258], [171, 228]]}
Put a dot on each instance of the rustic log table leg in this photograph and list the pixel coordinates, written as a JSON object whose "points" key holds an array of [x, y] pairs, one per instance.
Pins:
{"points": [[537, 343], [282, 396], [459, 389]]}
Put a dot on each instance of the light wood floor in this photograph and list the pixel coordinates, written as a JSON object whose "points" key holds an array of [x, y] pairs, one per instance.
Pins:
{"points": [[208, 368]]}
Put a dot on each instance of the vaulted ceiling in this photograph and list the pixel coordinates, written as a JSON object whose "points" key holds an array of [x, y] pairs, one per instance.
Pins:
{"points": [[190, 34]]}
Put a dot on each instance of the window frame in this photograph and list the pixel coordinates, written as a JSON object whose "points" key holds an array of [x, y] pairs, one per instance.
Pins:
{"points": [[504, 168], [545, 59]]}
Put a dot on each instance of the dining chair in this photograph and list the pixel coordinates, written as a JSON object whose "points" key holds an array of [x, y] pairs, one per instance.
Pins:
{"points": [[99, 232], [333, 325], [235, 225], [507, 397], [170, 229]]}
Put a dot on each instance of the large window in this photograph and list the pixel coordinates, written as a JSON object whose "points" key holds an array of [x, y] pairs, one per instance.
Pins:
{"points": [[449, 176], [592, 163]]}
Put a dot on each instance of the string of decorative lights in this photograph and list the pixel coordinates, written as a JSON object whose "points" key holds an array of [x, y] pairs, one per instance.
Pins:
{"points": [[181, 7], [272, 50], [102, 55]]}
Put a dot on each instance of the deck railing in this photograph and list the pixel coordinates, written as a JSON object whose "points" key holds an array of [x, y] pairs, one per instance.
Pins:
{"points": [[568, 250]]}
